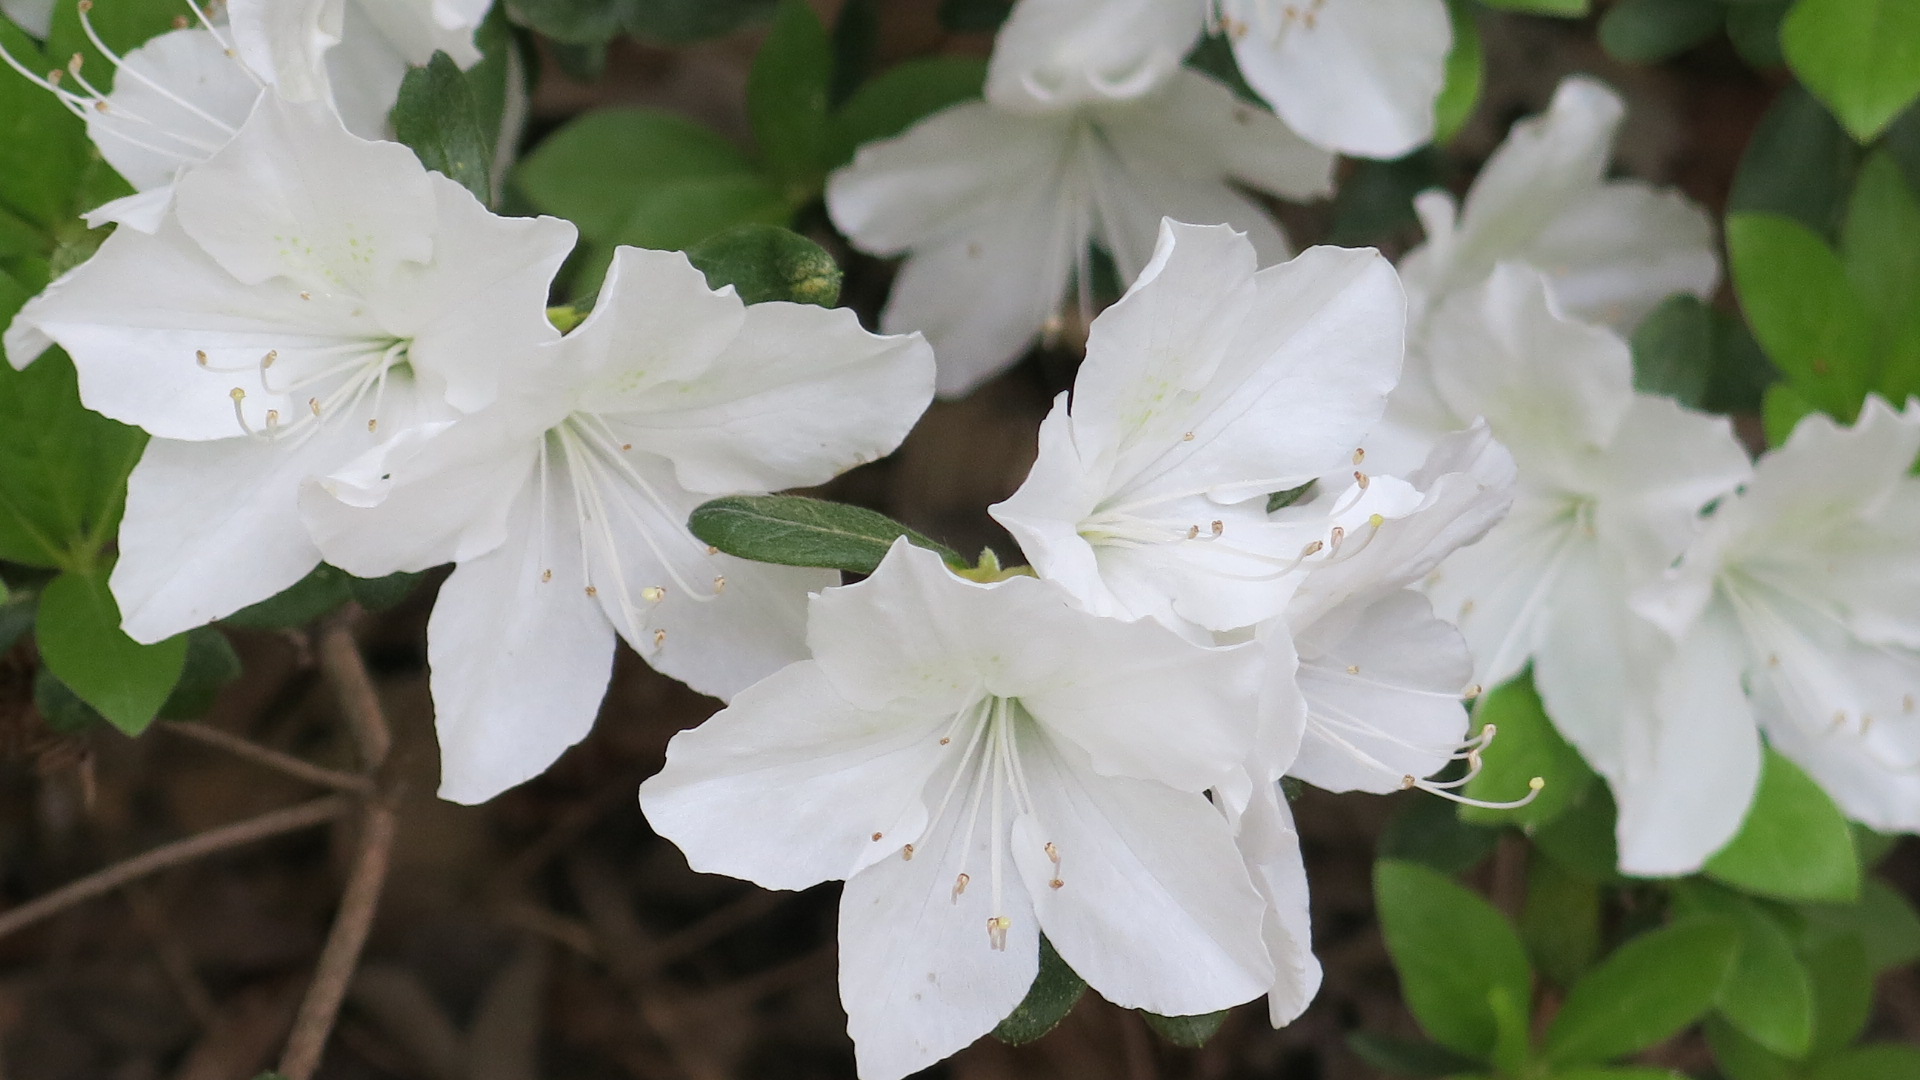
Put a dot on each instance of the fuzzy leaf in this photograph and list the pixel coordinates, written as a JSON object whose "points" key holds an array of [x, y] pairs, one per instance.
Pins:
{"points": [[791, 530]]}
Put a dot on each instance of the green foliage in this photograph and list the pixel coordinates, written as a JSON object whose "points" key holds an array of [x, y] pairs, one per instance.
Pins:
{"points": [[1466, 71], [1885, 1062], [1769, 994], [1375, 202], [16, 619], [437, 118], [895, 99], [787, 96], [674, 22], [325, 589], [1560, 923], [60, 707], [766, 262], [1525, 745], [1407, 1057], [123, 24], [78, 629], [1800, 163], [1649, 31], [1673, 350], [1754, 28], [1454, 953], [1189, 1031], [1860, 57], [1582, 838], [1428, 832], [1794, 843], [1842, 990], [210, 665], [791, 530], [1055, 991], [1565, 9], [64, 484], [1883, 920], [1644, 993], [974, 16]]}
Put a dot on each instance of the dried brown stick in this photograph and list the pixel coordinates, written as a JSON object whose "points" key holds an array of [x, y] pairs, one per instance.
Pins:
{"points": [[341, 955], [346, 669], [272, 759], [211, 842]]}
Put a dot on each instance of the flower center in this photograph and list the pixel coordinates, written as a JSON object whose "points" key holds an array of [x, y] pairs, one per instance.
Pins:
{"points": [[354, 373]]}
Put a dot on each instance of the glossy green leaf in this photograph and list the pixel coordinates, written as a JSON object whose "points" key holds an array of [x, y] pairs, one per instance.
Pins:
{"points": [[1582, 838], [78, 630], [1800, 162], [1280, 500], [1565, 9], [791, 530], [1375, 201], [436, 117], [609, 165], [1647, 991], [1842, 989], [856, 44], [901, 96], [44, 150], [324, 590], [63, 483], [573, 22], [1860, 57], [766, 262], [1466, 71], [1754, 29], [1452, 950], [1427, 831], [1883, 919], [1882, 261], [787, 92], [1188, 1031], [1560, 922], [1884, 1062], [1055, 991], [1525, 745], [1740, 1058], [1769, 995], [1649, 31], [1673, 350], [1794, 843], [1794, 291]]}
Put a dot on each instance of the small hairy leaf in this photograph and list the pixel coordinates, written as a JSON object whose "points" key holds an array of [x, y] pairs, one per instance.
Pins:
{"points": [[767, 262], [792, 530], [437, 119], [1188, 1031], [1055, 991]]}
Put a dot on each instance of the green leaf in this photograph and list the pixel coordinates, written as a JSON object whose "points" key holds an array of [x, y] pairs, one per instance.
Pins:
{"points": [[63, 481], [974, 16], [1794, 843], [43, 149], [1513, 1043], [78, 628], [856, 41], [1883, 919], [1782, 409], [1188, 1031], [1842, 990], [320, 592], [124, 25], [900, 97], [1768, 995], [1375, 202], [766, 262], [1673, 350], [16, 618], [1565, 9], [1561, 921], [599, 169], [436, 117], [1280, 500], [1452, 950], [60, 707], [210, 665], [1428, 832], [1861, 57], [1644, 993], [1754, 29], [1799, 163], [1622, 1073], [1804, 312], [1740, 1058], [1649, 31], [677, 215], [571, 22], [1407, 1057], [1883, 1062], [682, 22], [1466, 71], [787, 93], [1582, 838], [790, 530], [1525, 745], [1055, 991], [1881, 259]]}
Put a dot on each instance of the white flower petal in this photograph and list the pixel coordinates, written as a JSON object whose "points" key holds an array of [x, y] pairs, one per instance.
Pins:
{"points": [[176, 101], [1271, 846], [789, 785], [520, 654], [1155, 909], [1054, 54], [1356, 76]]}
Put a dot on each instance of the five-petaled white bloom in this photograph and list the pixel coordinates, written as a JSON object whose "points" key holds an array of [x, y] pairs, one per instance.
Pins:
{"points": [[565, 505], [995, 207], [1798, 610], [1206, 388], [1611, 486], [1613, 249], [1356, 77], [308, 295], [984, 763]]}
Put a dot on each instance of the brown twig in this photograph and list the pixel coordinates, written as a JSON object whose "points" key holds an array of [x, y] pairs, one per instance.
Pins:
{"points": [[345, 668], [272, 759], [291, 819]]}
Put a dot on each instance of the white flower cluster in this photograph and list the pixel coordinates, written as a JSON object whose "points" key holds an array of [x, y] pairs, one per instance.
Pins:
{"points": [[1252, 525]]}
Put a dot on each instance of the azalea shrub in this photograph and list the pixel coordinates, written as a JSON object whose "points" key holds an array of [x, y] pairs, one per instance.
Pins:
{"points": [[1539, 490]]}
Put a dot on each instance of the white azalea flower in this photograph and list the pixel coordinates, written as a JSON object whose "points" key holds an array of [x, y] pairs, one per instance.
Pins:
{"points": [[995, 208], [1352, 76], [1804, 590], [1270, 846], [565, 506], [1356, 76], [308, 294], [1206, 388], [984, 763], [1611, 485], [1613, 249]]}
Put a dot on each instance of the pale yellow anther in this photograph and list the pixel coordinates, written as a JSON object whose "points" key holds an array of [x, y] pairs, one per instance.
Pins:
{"points": [[200, 357], [1376, 521], [653, 594], [237, 394], [1193, 532], [719, 584], [1188, 437], [1359, 454], [373, 424], [997, 928], [593, 590], [960, 886], [1218, 527], [659, 638], [1353, 669], [906, 852], [267, 360], [546, 576], [1362, 479]]}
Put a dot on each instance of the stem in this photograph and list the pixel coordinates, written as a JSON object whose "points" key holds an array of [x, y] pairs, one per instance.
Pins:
{"points": [[239, 834], [272, 759]]}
